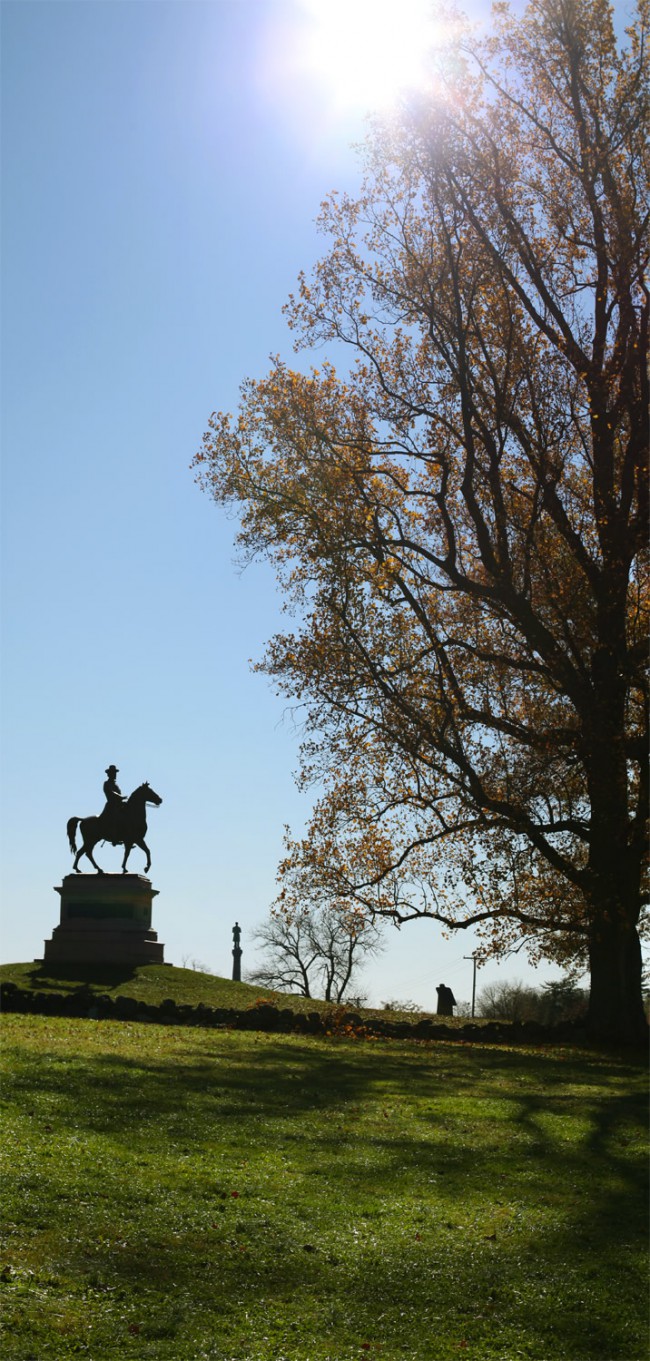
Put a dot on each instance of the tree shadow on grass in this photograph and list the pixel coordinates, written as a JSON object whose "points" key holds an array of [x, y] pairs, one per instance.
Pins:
{"points": [[259, 1075], [492, 1136]]}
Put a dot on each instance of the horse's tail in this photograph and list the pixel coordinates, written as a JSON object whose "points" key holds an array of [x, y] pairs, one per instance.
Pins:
{"points": [[71, 830]]}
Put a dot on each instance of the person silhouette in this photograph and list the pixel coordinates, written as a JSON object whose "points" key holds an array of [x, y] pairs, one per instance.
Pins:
{"points": [[446, 1001], [114, 803]]}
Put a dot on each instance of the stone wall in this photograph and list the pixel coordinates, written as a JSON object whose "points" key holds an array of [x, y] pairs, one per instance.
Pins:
{"points": [[262, 1015]]}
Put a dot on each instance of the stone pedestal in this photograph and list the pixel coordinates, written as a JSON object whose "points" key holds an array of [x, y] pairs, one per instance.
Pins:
{"points": [[105, 919]]}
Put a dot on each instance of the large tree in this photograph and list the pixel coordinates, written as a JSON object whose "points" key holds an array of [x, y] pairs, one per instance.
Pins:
{"points": [[459, 520]]}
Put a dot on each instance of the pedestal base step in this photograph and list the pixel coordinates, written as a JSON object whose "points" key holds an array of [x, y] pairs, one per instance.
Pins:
{"points": [[103, 947]]}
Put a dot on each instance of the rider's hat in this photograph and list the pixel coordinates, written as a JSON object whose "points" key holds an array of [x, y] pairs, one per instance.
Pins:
{"points": [[112, 770]]}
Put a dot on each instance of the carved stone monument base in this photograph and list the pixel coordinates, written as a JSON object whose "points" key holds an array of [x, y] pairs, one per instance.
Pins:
{"points": [[105, 919]]}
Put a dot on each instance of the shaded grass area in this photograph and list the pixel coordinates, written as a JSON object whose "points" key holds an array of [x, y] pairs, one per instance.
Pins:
{"points": [[186, 1195]]}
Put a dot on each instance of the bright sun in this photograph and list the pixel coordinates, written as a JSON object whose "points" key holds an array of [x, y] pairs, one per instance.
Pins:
{"points": [[364, 52]]}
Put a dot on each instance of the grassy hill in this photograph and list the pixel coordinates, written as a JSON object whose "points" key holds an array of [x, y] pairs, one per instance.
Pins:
{"points": [[146, 983], [153, 983]]}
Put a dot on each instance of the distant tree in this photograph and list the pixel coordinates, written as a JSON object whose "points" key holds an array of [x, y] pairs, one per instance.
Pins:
{"points": [[464, 1010], [558, 1001], [191, 962], [316, 952], [507, 1002], [289, 958], [394, 1004], [460, 520], [562, 1000]]}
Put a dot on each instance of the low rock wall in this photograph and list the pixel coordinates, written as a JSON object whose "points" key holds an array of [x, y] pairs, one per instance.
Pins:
{"points": [[83, 1002]]}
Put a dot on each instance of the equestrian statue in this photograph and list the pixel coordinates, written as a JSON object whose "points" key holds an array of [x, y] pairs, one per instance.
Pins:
{"points": [[122, 821]]}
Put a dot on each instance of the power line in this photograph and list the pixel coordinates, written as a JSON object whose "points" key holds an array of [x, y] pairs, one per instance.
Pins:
{"points": [[428, 977]]}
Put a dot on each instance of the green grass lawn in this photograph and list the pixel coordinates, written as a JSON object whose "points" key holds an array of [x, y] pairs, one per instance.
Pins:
{"points": [[186, 1195]]}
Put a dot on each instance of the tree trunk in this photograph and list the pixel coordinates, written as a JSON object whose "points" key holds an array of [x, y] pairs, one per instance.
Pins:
{"points": [[616, 1012]]}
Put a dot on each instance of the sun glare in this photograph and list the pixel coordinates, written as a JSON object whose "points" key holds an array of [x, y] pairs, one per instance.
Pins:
{"points": [[365, 52]]}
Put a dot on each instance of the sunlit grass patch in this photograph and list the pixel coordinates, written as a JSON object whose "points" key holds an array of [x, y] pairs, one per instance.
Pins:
{"points": [[179, 1194]]}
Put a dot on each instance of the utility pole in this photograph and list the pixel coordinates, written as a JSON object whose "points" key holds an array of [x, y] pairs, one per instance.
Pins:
{"points": [[473, 959]]}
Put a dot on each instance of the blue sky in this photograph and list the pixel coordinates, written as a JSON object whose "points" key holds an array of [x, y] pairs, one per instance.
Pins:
{"points": [[162, 170]]}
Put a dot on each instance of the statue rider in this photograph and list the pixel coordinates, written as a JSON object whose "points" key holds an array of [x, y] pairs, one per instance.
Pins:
{"points": [[115, 801]]}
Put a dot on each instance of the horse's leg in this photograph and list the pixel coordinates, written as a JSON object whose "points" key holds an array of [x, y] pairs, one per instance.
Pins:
{"points": [[128, 847], [82, 848], [140, 841], [92, 859], [88, 850], [80, 852], [88, 843]]}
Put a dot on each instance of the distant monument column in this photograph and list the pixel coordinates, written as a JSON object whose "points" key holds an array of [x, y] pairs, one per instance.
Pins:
{"points": [[236, 953]]}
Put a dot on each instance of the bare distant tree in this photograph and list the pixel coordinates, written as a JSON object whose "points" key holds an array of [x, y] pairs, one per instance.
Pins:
{"points": [[190, 962], [315, 952], [507, 1002], [394, 1004]]}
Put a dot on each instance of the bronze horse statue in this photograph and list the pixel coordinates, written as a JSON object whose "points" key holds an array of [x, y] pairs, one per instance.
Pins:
{"points": [[122, 824]]}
